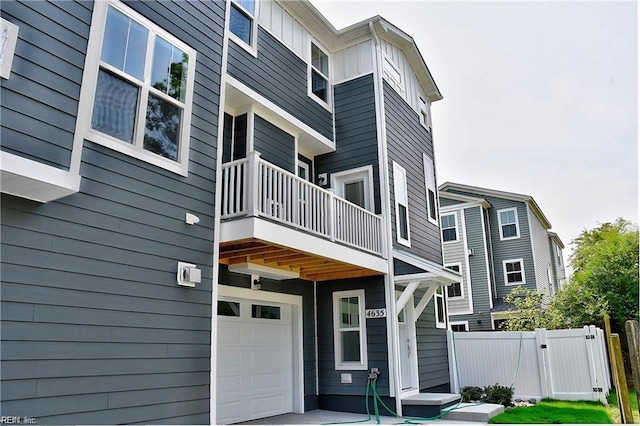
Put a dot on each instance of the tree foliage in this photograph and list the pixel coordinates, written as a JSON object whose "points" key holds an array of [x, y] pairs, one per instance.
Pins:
{"points": [[527, 312]]}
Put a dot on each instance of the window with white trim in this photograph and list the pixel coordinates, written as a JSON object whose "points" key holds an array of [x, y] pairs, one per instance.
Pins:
{"points": [[355, 185], [449, 224], [430, 183], [391, 73], [319, 73], [241, 21], [459, 326], [425, 115], [350, 334], [513, 272], [508, 224], [402, 204], [440, 308], [454, 291], [138, 88]]}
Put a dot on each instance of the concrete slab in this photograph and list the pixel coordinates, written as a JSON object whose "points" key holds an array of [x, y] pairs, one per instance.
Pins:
{"points": [[468, 412], [431, 399]]}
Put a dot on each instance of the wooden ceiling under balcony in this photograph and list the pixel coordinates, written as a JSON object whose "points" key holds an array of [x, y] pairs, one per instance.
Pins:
{"points": [[311, 267]]}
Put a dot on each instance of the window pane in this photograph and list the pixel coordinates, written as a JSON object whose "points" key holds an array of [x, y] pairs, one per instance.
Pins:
{"points": [[169, 73], [448, 221], [319, 60], [449, 234], [354, 192], [264, 311], [432, 204], [240, 24], [454, 290], [162, 130], [349, 312], [515, 277], [404, 228], [440, 307], [228, 309], [509, 231], [318, 85], [124, 44], [350, 345], [508, 217], [249, 5], [114, 109]]}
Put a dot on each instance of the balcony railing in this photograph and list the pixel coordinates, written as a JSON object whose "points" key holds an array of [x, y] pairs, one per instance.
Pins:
{"points": [[254, 187]]}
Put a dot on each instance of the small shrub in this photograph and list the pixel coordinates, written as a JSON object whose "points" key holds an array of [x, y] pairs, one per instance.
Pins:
{"points": [[471, 393], [495, 394]]}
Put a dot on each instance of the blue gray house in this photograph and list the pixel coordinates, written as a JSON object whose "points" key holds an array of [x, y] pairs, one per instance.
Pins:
{"points": [[497, 241], [215, 211]]}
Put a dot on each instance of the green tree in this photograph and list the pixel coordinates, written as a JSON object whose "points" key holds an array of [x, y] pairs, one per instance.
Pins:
{"points": [[605, 276], [527, 312]]}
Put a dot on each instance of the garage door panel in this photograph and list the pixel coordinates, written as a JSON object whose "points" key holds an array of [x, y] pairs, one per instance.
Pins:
{"points": [[267, 406]]}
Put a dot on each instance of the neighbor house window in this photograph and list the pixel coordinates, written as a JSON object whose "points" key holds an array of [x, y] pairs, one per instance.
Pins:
{"points": [[430, 183], [319, 73], [425, 116], [459, 326], [138, 97], [241, 22], [449, 228], [454, 291], [441, 312], [508, 224], [513, 272], [402, 204], [350, 342]]}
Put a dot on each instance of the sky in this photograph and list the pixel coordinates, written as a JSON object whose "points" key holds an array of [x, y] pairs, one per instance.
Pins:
{"points": [[540, 98]]}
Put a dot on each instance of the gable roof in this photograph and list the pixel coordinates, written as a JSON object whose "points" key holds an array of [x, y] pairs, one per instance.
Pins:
{"points": [[333, 39], [464, 199], [535, 208]]}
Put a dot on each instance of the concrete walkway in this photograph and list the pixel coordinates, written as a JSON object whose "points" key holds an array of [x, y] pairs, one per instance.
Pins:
{"points": [[323, 417]]}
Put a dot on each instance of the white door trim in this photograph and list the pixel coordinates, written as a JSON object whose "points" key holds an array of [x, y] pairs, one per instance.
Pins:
{"points": [[414, 387], [296, 302]]}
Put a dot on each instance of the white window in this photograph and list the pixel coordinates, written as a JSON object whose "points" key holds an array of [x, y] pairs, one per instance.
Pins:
{"points": [[350, 334], [449, 224], [459, 326], [242, 25], [402, 204], [9, 34], [355, 185], [441, 311], [455, 291], [392, 74], [508, 224], [425, 115], [137, 88], [513, 272], [430, 183], [319, 74]]}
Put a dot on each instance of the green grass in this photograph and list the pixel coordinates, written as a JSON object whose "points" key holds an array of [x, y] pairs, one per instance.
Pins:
{"points": [[556, 412], [614, 411]]}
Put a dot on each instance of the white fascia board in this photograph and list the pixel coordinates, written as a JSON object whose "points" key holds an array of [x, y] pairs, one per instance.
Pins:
{"points": [[444, 275], [464, 199], [34, 180], [253, 227]]}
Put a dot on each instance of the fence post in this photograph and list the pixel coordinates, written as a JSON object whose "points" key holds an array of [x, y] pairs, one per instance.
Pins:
{"points": [[631, 327], [453, 363], [541, 348], [621, 390]]}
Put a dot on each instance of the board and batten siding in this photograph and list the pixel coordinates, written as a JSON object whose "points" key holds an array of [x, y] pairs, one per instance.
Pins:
{"points": [[297, 287], [95, 328], [407, 141], [280, 76], [356, 133], [274, 144]]}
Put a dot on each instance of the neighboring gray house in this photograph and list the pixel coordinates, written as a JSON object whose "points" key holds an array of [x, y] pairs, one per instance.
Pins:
{"points": [[214, 211], [497, 241]]}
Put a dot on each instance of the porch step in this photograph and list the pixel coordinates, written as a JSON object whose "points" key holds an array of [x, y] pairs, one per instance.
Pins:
{"points": [[468, 412], [428, 405]]}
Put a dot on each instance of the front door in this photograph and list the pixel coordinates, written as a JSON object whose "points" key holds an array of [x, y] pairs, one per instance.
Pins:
{"points": [[407, 341]]}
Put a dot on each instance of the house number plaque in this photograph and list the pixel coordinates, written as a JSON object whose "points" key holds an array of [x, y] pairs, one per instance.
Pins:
{"points": [[375, 313]]}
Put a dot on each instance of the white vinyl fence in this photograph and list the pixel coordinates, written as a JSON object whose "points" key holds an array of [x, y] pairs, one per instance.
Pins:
{"points": [[557, 364]]}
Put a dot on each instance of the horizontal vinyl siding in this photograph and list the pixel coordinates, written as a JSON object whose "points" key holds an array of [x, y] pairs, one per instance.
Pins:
{"points": [[274, 144], [542, 256], [280, 76], [433, 360], [40, 99], [407, 141], [95, 329], [356, 132], [329, 377], [454, 252]]}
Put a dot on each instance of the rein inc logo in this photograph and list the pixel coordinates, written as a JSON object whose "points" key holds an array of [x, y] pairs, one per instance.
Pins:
{"points": [[17, 420]]}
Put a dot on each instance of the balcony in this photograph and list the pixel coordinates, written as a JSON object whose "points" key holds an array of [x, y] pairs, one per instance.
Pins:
{"points": [[275, 219]]}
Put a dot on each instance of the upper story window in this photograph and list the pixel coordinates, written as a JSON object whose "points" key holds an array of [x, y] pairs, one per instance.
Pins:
{"points": [[425, 116], [430, 183], [350, 334], [136, 95], [319, 73], [402, 204], [449, 228], [508, 224], [241, 21], [440, 308], [355, 185], [454, 291], [513, 272]]}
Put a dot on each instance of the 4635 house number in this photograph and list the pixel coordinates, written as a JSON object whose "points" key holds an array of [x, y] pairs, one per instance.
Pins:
{"points": [[375, 313]]}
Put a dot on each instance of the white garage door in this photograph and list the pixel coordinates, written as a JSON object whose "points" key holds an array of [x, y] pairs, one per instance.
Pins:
{"points": [[255, 360]]}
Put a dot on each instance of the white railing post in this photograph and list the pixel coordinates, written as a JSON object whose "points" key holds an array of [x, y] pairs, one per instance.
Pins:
{"points": [[332, 216], [253, 183]]}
